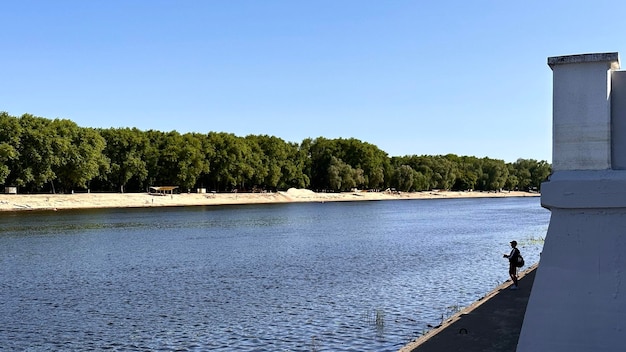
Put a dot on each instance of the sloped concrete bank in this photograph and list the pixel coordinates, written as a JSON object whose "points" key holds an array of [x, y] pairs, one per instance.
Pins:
{"points": [[491, 324]]}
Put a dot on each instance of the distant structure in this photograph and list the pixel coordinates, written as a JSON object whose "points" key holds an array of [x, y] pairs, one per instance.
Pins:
{"points": [[578, 300]]}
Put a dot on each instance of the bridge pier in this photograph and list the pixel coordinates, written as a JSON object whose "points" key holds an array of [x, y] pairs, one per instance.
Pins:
{"points": [[578, 300]]}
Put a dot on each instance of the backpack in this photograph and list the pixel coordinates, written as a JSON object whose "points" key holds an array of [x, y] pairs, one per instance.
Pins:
{"points": [[520, 261]]}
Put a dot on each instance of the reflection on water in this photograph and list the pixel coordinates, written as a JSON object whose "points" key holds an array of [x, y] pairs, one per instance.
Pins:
{"points": [[288, 277]]}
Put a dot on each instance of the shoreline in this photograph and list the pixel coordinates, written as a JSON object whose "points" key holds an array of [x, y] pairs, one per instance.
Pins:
{"points": [[54, 202], [494, 321]]}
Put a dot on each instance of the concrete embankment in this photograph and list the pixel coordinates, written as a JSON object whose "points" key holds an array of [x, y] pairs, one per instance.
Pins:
{"points": [[490, 324]]}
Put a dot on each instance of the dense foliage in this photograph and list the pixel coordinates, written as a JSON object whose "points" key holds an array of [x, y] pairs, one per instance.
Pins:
{"points": [[42, 155]]}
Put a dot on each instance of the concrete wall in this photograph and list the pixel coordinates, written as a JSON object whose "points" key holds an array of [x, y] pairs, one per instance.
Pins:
{"points": [[578, 300], [618, 120]]}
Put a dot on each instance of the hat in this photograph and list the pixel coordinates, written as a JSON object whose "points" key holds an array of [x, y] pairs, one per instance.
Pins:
{"points": [[513, 242]]}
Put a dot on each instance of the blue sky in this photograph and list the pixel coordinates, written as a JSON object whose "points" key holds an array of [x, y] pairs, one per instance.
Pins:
{"points": [[411, 77]]}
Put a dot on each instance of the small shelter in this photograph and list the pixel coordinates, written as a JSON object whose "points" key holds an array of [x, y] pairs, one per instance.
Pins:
{"points": [[162, 190]]}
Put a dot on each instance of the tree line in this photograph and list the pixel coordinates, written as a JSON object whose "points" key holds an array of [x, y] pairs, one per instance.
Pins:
{"points": [[40, 155]]}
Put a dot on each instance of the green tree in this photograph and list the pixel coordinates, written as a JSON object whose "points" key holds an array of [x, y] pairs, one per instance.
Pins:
{"points": [[294, 169], [181, 159], [404, 177], [512, 181], [349, 177], [531, 173], [444, 172], [279, 166], [10, 131], [79, 152], [366, 157], [37, 154], [321, 151], [334, 174], [369, 164], [494, 175], [126, 149], [152, 157], [191, 161], [264, 169], [342, 177], [540, 173], [229, 168], [467, 172], [420, 182]]}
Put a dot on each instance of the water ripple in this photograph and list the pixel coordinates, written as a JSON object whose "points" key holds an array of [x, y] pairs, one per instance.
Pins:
{"points": [[294, 277]]}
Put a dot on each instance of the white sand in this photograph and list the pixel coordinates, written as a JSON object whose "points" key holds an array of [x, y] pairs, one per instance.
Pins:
{"points": [[20, 202]]}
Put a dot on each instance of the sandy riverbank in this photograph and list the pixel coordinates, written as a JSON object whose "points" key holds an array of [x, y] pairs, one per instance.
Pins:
{"points": [[20, 202]]}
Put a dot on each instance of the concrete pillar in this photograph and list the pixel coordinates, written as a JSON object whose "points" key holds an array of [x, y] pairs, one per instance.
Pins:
{"points": [[618, 120], [578, 300], [582, 111]]}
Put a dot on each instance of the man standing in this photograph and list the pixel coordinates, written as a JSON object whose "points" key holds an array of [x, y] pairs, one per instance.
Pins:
{"points": [[513, 258]]}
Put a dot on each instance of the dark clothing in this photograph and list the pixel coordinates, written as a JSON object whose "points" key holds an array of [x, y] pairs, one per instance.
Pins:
{"points": [[512, 269], [513, 257]]}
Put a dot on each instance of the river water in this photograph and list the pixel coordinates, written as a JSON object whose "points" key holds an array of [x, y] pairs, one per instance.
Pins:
{"points": [[355, 276]]}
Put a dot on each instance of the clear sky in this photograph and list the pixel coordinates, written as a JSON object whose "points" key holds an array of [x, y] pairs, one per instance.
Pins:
{"points": [[411, 77]]}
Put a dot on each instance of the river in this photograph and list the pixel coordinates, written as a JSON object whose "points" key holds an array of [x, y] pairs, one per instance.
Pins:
{"points": [[335, 276]]}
